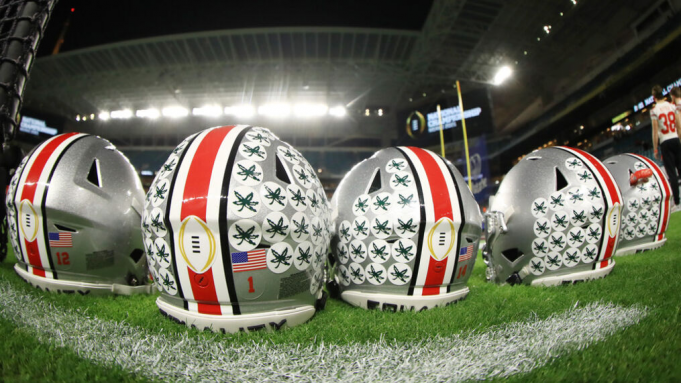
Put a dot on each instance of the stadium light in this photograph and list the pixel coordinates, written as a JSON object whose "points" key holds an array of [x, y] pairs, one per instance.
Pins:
{"points": [[208, 110], [338, 111], [310, 110], [502, 75], [148, 113], [175, 112], [275, 110], [104, 116], [243, 110], [121, 114]]}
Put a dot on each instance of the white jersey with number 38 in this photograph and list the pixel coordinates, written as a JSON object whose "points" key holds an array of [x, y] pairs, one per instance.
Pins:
{"points": [[665, 114]]}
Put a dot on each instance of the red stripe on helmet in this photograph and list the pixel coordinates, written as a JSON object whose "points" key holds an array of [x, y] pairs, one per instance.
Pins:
{"points": [[442, 206], [194, 203], [28, 193], [613, 193], [605, 174]]}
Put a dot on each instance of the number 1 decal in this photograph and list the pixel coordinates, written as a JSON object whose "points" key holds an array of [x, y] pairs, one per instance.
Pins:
{"points": [[250, 285]]}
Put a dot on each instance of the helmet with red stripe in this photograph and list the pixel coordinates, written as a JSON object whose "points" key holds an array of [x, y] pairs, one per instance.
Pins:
{"points": [[646, 192], [407, 232], [554, 220], [73, 209], [236, 232]]}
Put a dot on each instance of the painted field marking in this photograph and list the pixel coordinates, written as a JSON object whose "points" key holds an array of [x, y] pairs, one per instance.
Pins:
{"points": [[472, 355]]}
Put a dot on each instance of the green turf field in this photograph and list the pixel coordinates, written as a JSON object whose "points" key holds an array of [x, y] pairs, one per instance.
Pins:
{"points": [[647, 351]]}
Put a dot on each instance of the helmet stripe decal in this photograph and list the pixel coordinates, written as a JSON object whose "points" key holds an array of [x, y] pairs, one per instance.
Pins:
{"points": [[613, 199], [222, 212], [198, 188], [663, 220], [33, 186], [456, 209], [174, 223], [171, 191], [66, 145], [442, 222]]}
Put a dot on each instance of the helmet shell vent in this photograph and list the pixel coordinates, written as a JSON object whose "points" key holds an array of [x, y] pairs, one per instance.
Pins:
{"points": [[376, 182], [94, 176]]}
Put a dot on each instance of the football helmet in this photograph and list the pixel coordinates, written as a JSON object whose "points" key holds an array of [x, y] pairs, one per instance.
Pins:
{"points": [[645, 208], [407, 233], [236, 232], [554, 220], [74, 206]]}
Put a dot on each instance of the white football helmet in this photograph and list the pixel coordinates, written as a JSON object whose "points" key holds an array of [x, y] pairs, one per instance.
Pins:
{"points": [[236, 232], [407, 232], [646, 207], [74, 206], [554, 220]]}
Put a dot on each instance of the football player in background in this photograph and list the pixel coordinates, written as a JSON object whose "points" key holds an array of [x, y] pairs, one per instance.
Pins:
{"points": [[666, 131]]}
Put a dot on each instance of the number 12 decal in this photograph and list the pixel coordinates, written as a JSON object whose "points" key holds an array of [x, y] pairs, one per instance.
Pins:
{"points": [[63, 258]]}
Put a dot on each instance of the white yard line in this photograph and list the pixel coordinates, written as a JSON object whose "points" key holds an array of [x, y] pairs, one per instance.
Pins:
{"points": [[497, 352]]}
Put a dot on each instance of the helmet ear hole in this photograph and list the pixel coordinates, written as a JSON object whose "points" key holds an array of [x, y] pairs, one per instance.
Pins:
{"points": [[376, 182], [561, 182], [512, 254], [136, 255]]}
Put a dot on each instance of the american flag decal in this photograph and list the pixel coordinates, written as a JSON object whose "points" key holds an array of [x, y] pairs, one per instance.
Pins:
{"points": [[466, 253], [61, 239], [249, 260]]}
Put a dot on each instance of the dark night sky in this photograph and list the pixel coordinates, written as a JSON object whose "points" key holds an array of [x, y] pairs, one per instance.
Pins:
{"points": [[96, 22]]}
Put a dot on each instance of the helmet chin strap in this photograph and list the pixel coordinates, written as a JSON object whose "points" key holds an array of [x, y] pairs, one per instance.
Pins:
{"points": [[517, 277], [320, 304]]}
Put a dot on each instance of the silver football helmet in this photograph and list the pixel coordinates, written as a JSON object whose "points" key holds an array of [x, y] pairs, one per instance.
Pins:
{"points": [[554, 220], [407, 232], [74, 206], [646, 204], [236, 232]]}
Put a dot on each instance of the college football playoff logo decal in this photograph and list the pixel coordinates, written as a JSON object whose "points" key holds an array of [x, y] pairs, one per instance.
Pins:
{"points": [[29, 220], [441, 239], [197, 244]]}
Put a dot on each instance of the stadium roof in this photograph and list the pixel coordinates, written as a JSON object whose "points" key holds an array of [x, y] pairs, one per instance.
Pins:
{"points": [[380, 55]]}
